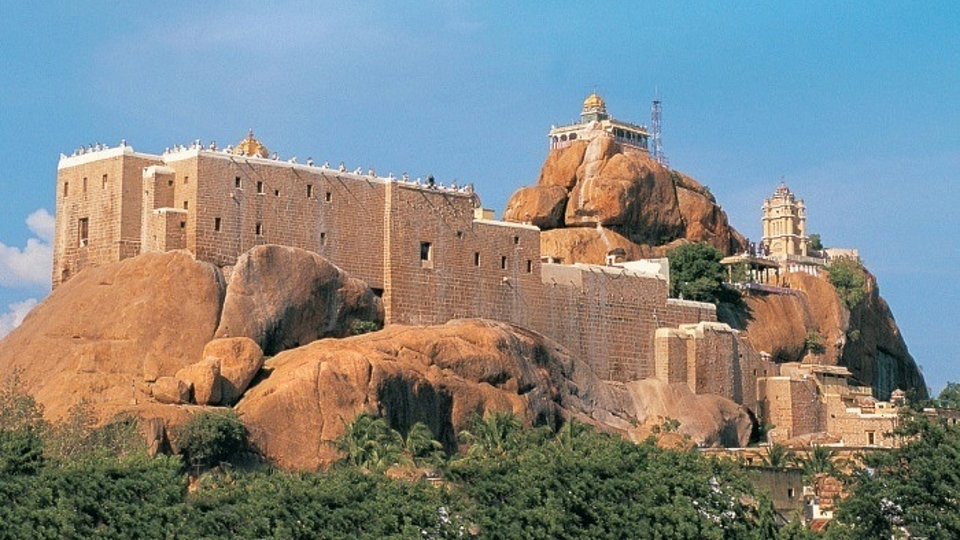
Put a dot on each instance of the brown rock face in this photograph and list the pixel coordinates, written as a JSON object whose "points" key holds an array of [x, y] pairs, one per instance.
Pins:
{"points": [[239, 360], [94, 336], [204, 380], [542, 206], [284, 297], [171, 390], [626, 192], [866, 340], [443, 376]]}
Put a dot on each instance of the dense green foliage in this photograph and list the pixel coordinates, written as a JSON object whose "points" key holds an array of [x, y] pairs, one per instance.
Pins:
{"points": [[848, 277], [212, 437], [950, 396], [913, 489], [815, 243], [696, 273], [506, 481]]}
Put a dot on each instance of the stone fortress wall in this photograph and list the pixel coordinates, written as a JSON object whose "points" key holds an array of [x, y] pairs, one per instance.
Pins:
{"points": [[431, 253]]}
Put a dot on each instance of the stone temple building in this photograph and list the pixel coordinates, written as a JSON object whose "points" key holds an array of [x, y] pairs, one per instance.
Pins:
{"points": [[784, 225], [431, 252]]}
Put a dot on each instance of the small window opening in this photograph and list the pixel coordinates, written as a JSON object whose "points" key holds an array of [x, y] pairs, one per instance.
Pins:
{"points": [[309, 191], [871, 438], [426, 251], [66, 189], [459, 234], [260, 187], [529, 266], [328, 197], [216, 224], [83, 231], [183, 224], [84, 184], [236, 182], [170, 182], [503, 262], [790, 493], [516, 240], [186, 179], [259, 229], [323, 239], [476, 258], [104, 184], [276, 193], [186, 205]]}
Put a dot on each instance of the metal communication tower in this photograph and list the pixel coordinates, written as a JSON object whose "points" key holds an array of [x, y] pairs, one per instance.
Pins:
{"points": [[655, 119]]}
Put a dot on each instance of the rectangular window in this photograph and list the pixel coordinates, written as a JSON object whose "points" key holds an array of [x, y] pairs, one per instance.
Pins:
{"points": [[236, 182], [216, 224], [503, 262], [309, 191], [104, 186], [66, 189], [259, 229], [183, 224], [186, 179], [529, 266], [276, 193], [84, 184], [871, 438], [186, 204], [328, 197], [476, 258], [260, 187], [323, 239], [516, 240], [83, 231], [790, 493], [426, 251]]}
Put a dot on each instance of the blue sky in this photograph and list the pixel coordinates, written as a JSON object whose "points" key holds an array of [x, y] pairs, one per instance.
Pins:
{"points": [[856, 106]]}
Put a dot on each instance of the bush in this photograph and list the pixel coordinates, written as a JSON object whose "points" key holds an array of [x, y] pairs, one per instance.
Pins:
{"points": [[696, 273], [362, 327], [848, 277], [210, 438], [814, 343]]}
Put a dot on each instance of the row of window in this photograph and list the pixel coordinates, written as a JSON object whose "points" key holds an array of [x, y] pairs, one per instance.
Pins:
{"points": [[238, 184], [426, 257], [83, 185]]}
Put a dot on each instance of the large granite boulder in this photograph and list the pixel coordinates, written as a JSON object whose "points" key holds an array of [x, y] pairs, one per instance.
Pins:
{"points": [[625, 191], [283, 297]]}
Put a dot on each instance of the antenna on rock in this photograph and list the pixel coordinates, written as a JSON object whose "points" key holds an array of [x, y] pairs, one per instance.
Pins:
{"points": [[656, 126]]}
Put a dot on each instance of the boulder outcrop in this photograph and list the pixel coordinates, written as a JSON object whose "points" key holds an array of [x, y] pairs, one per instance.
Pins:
{"points": [[238, 360], [283, 297], [626, 192], [865, 340], [445, 375]]}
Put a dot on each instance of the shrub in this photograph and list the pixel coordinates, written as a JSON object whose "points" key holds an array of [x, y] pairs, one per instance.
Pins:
{"points": [[848, 277], [210, 438], [362, 327], [696, 273], [814, 343]]}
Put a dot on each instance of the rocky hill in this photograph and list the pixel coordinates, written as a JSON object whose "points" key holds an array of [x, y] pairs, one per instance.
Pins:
{"points": [[593, 197], [163, 336]]}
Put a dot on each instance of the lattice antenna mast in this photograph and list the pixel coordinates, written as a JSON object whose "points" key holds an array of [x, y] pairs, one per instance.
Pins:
{"points": [[655, 124]]}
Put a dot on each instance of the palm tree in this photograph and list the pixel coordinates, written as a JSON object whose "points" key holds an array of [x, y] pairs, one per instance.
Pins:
{"points": [[420, 444], [570, 432], [780, 457], [819, 461], [369, 443], [496, 434]]}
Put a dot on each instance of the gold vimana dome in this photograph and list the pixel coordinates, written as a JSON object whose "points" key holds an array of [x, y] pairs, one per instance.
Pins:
{"points": [[594, 103], [251, 147]]}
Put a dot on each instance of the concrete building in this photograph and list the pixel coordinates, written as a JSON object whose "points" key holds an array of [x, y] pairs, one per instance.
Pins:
{"points": [[596, 122]]}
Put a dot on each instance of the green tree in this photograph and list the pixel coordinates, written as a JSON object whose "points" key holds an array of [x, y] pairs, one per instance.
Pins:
{"points": [[820, 460], [815, 243], [780, 457], [696, 273], [913, 489], [209, 438], [813, 343], [849, 279], [494, 435], [950, 396], [370, 443]]}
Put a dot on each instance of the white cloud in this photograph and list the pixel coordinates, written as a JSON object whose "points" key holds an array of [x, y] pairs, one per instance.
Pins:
{"points": [[14, 315], [42, 224], [29, 266]]}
